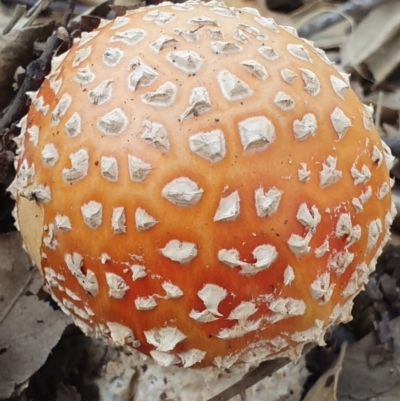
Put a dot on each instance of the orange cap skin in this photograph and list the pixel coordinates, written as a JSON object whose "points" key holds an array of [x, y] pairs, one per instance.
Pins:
{"points": [[199, 184]]}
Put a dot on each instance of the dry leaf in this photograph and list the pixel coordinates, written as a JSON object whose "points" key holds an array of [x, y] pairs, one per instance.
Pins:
{"points": [[331, 37], [361, 382], [29, 328], [371, 34], [385, 60], [325, 388], [390, 100]]}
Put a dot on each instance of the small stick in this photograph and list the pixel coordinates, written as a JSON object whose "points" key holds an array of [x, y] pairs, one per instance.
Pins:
{"points": [[19, 11], [35, 73], [36, 10], [265, 369]]}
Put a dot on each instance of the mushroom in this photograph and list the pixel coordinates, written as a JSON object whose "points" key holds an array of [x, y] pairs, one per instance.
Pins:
{"points": [[197, 183]]}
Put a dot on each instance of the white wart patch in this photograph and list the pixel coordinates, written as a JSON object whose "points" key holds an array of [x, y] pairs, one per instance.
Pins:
{"points": [[73, 126], [264, 255], [162, 42], [113, 123], [84, 76], [182, 192], [201, 20], [112, 56], [187, 61], [199, 103], [341, 123], [142, 74], [159, 17], [256, 133], [189, 35], [255, 68], [61, 108], [284, 101], [340, 87], [311, 82], [117, 286], [63, 222], [92, 213], [143, 220], [305, 127], [232, 87], [118, 220], [268, 23], [109, 168], [209, 145], [102, 93], [181, 252], [228, 208], [211, 295], [267, 203], [220, 47], [81, 55], [130, 37], [156, 135], [164, 339], [49, 155], [329, 175], [164, 96], [299, 52], [79, 166], [138, 169], [268, 53]]}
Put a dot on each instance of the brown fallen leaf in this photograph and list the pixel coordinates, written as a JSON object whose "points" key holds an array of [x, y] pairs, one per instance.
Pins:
{"points": [[325, 388], [29, 328]]}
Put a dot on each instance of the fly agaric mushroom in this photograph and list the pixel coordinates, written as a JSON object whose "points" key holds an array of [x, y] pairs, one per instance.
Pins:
{"points": [[197, 183]]}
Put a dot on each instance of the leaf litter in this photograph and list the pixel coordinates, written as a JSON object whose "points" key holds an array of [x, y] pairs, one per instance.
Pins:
{"points": [[43, 357]]}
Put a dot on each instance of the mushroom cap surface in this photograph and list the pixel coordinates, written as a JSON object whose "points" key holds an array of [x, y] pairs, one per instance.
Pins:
{"points": [[197, 183]]}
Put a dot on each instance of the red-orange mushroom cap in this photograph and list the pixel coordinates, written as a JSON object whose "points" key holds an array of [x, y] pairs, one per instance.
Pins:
{"points": [[197, 183]]}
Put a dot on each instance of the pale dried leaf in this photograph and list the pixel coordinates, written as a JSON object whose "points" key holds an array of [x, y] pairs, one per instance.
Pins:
{"points": [[360, 382], [371, 34], [15, 272], [325, 388], [29, 328], [384, 61], [390, 100]]}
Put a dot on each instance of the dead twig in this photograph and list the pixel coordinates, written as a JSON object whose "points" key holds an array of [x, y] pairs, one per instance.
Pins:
{"points": [[35, 73], [352, 8], [265, 369], [19, 11], [38, 7]]}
